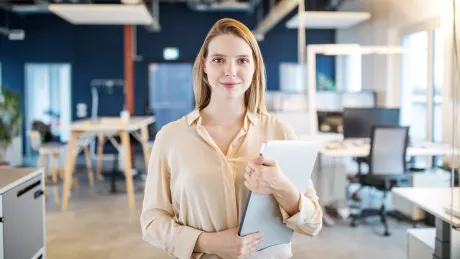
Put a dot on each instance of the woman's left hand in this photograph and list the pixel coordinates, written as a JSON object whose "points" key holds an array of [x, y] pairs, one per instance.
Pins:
{"points": [[264, 176]]}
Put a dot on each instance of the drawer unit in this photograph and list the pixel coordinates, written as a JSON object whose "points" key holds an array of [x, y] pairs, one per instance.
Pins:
{"points": [[22, 215]]}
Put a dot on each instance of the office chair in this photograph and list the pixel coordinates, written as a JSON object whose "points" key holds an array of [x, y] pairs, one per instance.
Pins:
{"points": [[111, 148], [387, 167]]}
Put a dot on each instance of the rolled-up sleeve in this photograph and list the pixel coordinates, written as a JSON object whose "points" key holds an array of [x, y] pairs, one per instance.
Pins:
{"points": [[159, 227], [309, 219]]}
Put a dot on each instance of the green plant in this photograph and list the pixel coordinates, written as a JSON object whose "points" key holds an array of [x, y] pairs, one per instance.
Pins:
{"points": [[10, 118], [325, 83]]}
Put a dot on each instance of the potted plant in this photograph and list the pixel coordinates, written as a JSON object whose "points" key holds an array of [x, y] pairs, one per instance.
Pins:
{"points": [[10, 120]]}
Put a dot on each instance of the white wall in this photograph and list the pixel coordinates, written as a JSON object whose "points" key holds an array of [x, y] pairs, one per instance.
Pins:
{"points": [[14, 152], [390, 19]]}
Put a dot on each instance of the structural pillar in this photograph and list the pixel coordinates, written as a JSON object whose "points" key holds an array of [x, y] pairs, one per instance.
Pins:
{"points": [[129, 75]]}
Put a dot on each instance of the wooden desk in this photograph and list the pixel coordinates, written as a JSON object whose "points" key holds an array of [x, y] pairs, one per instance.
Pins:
{"points": [[108, 125]]}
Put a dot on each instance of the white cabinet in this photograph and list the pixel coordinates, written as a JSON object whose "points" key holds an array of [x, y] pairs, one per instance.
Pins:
{"points": [[420, 243], [22, 213]]}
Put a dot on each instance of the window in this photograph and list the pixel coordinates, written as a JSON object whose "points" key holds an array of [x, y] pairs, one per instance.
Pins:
{"points": [[353, 73], [422, 74], [437, 80], [414, 84]]}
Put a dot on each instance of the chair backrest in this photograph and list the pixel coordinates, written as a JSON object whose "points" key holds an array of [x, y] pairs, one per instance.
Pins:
{"points": [[34, 139], [388, 150]]}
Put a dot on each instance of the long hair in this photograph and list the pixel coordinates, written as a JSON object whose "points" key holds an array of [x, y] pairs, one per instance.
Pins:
{"points": [[254, 96]]}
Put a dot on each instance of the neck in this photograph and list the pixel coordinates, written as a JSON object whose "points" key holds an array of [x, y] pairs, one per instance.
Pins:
{"points": [[228, 112]]}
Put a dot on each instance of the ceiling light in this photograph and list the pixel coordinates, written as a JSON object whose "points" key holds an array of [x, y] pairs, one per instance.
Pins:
{"points": [[130, 1], [108, 14], [328, 20]]}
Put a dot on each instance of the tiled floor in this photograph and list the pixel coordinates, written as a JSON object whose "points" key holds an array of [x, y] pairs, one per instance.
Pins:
{"points": [[100, 225]]}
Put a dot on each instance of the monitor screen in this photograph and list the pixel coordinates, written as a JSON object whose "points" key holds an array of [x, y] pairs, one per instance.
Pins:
{"points": [[358, 122], [330, 121]]}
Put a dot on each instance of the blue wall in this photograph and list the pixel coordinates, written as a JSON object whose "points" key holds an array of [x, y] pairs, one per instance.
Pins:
{"points": [[97, 51]]}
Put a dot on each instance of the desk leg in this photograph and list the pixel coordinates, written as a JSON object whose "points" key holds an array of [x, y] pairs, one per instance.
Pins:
{"points": [[69, 166], [128, 167], [100, 148], [327, 220], [145, 146], [442, 242], [89, 166]]}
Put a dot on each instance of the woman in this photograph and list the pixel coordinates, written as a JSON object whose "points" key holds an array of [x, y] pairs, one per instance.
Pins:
{"points": [[203, 165]]}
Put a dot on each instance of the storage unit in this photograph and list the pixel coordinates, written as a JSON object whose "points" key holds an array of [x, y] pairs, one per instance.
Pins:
{"points": [[22, 213], [420, 243]]}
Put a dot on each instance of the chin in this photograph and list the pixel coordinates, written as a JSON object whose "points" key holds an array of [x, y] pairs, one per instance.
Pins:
{"points": [[234, 93], [235, 96]]}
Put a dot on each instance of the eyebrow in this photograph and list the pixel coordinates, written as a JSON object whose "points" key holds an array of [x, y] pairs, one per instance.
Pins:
{"points": [[222, 55]]}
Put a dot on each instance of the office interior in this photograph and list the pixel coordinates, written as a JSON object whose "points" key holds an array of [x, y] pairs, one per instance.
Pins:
{"points": [[87, 84]]}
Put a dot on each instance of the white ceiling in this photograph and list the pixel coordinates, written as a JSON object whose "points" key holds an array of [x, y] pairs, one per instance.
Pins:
{"points": [[110, 14], [328, 20]]}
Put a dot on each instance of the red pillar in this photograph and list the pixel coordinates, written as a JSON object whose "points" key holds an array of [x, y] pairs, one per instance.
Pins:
{"points": [[129, 68], [129, 75]]}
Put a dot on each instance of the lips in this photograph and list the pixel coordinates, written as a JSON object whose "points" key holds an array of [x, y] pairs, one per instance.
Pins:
{"points": [[230, 85]]}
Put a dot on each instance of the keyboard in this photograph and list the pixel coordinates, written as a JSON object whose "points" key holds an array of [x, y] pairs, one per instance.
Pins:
{"points": [[455, 211]]}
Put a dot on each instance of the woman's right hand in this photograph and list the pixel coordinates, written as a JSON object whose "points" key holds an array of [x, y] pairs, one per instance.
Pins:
{"points": [[228, 244]]}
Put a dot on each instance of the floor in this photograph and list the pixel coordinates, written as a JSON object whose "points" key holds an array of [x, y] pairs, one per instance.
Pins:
{"points": [[99, 224]]}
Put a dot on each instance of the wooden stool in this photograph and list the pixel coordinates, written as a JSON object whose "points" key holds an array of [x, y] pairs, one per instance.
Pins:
{"points": [[50, 154]]}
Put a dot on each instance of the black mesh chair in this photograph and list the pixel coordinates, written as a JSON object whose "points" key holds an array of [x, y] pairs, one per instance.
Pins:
{"points": [[387, 167]]}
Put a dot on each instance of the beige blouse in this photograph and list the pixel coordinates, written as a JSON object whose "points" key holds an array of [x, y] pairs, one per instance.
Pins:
{"points": [[193, 187]]}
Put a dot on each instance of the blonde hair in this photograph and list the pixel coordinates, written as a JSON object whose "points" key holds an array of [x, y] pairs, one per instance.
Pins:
{"points": [[254, 96]]}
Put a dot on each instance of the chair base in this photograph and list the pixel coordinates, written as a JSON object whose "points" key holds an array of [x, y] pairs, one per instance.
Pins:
{"points": [[365, 213], [116, 175]]}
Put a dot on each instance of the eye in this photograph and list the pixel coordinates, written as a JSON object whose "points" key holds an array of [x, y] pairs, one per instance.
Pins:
{"points": [[217, 60], [244, 61]]}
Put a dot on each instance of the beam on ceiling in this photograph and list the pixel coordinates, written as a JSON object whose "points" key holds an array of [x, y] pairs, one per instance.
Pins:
{"points": [[155, 13], [275, 15], [301, 40], [42, 2], [5, 7]]}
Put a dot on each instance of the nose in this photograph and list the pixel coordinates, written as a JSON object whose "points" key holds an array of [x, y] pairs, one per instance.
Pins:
{"points": [[230, 70]]}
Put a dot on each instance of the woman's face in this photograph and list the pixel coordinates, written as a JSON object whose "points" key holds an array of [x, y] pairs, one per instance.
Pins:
{"points": [[229, 66]]}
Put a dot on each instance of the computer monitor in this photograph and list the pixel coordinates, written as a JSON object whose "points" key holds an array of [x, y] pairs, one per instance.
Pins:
{"points": [[358, 122], [330, 121]]}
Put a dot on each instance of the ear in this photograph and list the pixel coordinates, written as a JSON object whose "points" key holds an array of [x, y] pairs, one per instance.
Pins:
{"points": [[204, 70]]}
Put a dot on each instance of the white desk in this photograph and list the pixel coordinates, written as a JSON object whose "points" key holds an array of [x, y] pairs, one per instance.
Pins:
{"points": [[349, 148], [433, 201], [333, 146], [108, 125]]}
